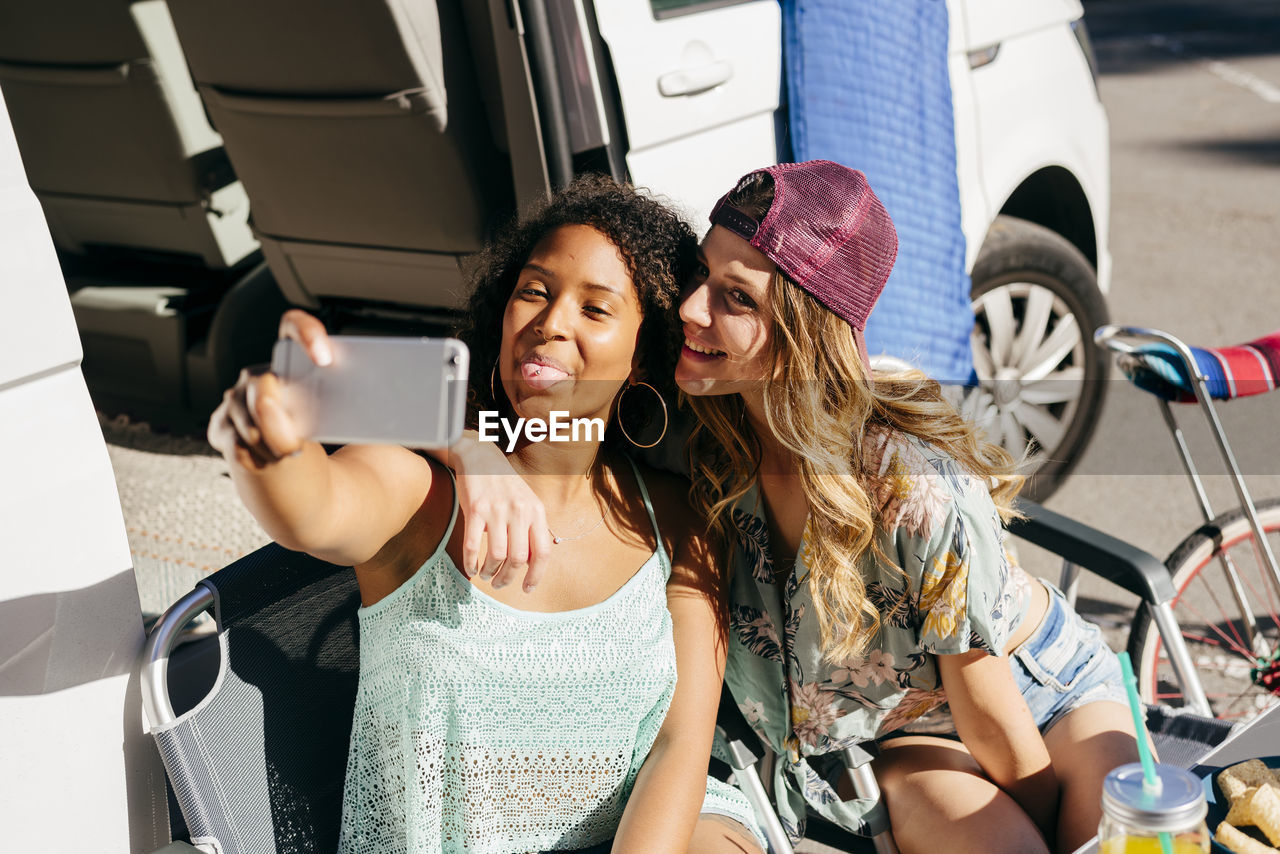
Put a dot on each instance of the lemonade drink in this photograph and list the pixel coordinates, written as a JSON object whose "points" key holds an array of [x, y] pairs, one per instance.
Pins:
{"points": [[1149, 845], [1138, 816]]}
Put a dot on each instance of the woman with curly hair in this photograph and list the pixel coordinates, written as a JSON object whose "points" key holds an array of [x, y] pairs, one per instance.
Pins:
{"points": [[544, 716]]}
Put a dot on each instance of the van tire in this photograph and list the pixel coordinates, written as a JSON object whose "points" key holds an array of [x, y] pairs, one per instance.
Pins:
{"points": [[1027, 273]]}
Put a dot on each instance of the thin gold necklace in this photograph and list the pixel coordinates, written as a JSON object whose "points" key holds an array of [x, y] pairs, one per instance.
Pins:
{"points": [[557, 540]]}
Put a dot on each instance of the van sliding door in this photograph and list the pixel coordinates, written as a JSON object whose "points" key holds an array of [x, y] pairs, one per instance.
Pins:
{"points": [[699, 82]]}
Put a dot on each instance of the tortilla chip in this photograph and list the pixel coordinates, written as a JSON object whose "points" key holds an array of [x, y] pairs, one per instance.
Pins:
{"points": [[1241, 812], [1265, 805], [1239, 843], [1236, 780]]}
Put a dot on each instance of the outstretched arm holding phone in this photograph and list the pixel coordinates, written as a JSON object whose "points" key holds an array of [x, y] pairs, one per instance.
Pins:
{"points": [[341, 507], [302, 506]]}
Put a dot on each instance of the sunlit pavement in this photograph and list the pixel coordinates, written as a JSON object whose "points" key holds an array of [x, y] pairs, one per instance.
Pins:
{"points": [[181, 511], [1192, 91]]}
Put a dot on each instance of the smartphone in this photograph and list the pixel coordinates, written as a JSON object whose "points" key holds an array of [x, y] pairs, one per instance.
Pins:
{"points": [[383, 391]]}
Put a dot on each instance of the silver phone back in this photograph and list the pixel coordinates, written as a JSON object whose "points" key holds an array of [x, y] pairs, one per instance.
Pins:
{"points": [[399, 391]]}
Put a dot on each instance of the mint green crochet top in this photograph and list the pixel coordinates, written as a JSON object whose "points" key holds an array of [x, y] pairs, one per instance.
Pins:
{"points": [[483, 728]]}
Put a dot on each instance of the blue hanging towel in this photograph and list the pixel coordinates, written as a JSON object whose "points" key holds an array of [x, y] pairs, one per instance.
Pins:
{"points": [[868, 87]]}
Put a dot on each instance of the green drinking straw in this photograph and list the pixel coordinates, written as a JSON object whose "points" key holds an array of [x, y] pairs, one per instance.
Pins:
{"points": [[1150, 782]]}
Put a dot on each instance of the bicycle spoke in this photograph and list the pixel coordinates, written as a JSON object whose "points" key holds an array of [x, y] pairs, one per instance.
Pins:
{"points": [[1248, 689], [1214, 596], [1222, 711], [1211, 626], [1199, 639], [1236, 716], [1269, 595], [1215, 572], [1275, 619]]}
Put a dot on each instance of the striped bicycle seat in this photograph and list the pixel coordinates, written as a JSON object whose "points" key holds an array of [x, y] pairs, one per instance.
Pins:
{"points": [[1239, 371]]}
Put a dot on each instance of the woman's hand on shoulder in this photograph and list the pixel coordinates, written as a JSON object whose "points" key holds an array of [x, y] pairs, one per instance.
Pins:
{"points": [[505, 535]]}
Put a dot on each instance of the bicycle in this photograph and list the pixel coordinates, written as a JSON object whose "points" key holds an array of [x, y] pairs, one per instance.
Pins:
{"points": [[1225, 573]]}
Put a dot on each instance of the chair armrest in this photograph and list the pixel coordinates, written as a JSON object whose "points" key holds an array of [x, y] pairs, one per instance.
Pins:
{"points": [[1130, 567], [741, 745], [740, 741]]}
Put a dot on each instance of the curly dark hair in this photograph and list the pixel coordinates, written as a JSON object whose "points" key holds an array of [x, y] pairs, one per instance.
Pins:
{"points": [[657, 246]]}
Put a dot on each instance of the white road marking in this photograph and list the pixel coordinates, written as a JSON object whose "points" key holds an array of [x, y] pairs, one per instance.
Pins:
{"points": [[1230, 73]]}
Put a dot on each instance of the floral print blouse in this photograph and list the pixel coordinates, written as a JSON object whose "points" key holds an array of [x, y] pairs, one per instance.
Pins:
{"points": [[961, 592]]}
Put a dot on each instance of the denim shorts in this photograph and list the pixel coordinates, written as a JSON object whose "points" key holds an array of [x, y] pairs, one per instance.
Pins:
{"points": [[1065, 664]]}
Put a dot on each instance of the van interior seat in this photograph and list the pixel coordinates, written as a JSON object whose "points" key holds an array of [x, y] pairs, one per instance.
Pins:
{"points": [[113, 136], [360, 133]]}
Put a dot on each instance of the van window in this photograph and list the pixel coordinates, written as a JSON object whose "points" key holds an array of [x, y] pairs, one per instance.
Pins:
{"points": [[672, 8]]}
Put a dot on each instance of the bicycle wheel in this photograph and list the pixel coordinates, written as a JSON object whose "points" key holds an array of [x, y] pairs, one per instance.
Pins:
{"points": [[1240, 679]]}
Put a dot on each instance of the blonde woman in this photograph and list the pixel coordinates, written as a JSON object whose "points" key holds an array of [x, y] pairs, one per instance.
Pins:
{"points": [[872, 597]]}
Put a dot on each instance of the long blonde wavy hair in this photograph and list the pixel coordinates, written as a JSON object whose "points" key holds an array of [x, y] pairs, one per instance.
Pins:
{"points": [[821, 405]]}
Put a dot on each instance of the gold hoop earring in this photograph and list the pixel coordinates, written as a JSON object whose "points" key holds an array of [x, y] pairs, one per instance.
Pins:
{"points": [[618, 414], [493, 395]]}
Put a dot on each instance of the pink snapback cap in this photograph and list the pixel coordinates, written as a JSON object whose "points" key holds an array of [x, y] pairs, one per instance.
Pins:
{"points": [[828, 232]]}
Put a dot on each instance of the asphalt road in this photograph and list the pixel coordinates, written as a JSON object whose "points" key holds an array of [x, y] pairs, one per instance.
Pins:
{"points": [[1192, 90]]}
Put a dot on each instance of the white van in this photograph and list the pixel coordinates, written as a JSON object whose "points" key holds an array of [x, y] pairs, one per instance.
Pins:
{"points": [[1033, 164], [356, 187]]}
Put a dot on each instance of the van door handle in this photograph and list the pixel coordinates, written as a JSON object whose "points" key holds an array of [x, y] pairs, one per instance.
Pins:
{"points": [[694, 81]]}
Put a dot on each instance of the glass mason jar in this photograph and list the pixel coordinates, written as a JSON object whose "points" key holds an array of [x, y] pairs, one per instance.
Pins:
{"points": [[1133, 818]]}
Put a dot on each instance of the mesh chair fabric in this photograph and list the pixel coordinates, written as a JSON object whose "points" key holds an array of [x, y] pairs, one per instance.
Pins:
{"points": [[1183, 739], [260, 764], [216, 762]]}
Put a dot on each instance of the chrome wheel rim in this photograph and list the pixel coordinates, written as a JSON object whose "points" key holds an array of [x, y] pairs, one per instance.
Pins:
{"points": [[1029, 356]]}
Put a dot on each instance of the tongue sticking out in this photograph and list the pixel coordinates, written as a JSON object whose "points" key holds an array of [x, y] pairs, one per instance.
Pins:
{"points": [[541, 376]]}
